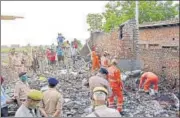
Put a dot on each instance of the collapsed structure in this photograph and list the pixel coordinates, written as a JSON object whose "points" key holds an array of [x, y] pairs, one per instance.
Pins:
{"points": [[157, 47]]}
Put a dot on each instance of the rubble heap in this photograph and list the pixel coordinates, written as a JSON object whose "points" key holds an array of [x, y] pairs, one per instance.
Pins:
{"points": [[77, 99]]}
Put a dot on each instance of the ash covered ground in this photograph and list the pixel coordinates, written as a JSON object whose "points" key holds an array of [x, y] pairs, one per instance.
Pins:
{"points": [[77, 99]]}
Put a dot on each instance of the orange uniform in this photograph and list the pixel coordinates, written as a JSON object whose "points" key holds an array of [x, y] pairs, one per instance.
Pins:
{"points": [[95, 61], [147, 79], [116, 84]]}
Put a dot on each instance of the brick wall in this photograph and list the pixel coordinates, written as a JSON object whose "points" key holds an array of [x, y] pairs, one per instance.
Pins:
{"points": [[158, 58], [162, 36], [122, 49]]}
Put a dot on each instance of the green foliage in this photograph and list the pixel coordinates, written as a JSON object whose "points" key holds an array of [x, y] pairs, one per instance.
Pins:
{"points": [[117, 12], [94, 21]]}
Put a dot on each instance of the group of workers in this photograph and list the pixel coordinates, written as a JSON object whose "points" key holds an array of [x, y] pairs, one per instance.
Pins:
{"points": [[108, 82], [104, 87]]}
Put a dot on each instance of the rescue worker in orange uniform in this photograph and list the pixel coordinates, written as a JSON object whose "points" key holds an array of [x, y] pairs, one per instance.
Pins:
{"points": [[116, 85], [95, 61], [147, 79], [104, 60]]}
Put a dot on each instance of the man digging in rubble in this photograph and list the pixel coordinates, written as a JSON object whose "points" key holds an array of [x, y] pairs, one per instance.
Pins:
{"points": [[21, 88], [105, 60], [147, 79], [30, 107], [99, 97], [116, 85], [51, 104]]}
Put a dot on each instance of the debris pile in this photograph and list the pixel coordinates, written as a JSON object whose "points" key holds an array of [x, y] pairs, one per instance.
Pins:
{"points": [[77, 99]]}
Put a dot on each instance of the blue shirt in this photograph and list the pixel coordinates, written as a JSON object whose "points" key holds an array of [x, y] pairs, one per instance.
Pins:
{"points": [[3, 98], [60, 39], [59, 51]]}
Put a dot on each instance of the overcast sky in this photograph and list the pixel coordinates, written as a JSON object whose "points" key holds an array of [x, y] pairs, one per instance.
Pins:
{"points": [[44, 19]]}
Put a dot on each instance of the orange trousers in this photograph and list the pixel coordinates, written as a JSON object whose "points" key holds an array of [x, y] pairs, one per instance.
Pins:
{"points": [[148, 83], [95, 64], [116, 92]]}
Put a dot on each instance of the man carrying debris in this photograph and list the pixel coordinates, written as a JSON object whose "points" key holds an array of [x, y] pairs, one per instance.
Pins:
{"points": [[116, 85], [21, 88], [51, 104], [30, 107], [104, 60], [147, 79], [100, 95]]}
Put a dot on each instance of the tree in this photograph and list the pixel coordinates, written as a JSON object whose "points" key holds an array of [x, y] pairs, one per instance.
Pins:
{"points": [[118, 12], [94, 21]]}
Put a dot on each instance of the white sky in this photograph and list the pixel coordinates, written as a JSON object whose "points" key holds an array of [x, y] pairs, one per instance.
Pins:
{"points": [[44, 19]]}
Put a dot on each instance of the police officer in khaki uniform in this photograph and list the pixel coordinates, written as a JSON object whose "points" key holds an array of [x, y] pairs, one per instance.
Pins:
{"points": [[41, 59], [100, 95], [17, 62], [52, 102], [11, 56], [21, 88], [99, 80]]}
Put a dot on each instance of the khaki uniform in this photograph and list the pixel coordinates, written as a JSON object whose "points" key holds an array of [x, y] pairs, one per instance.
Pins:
{"points": [[27, 63], [12, 72], [17, 64], [41, 60], [98, 81], [52, 101], [104, 111], [23, 111], [21, 90]]}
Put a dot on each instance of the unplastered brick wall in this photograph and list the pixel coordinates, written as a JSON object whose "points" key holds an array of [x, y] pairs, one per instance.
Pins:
{"points": [[163, 35], [163, 62], [122, 49]]}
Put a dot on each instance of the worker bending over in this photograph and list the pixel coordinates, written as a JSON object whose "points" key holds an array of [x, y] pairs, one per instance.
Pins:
{"points": [[116, 85], [147, 79], [51, 104], [100, 95], [30, 107]]}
